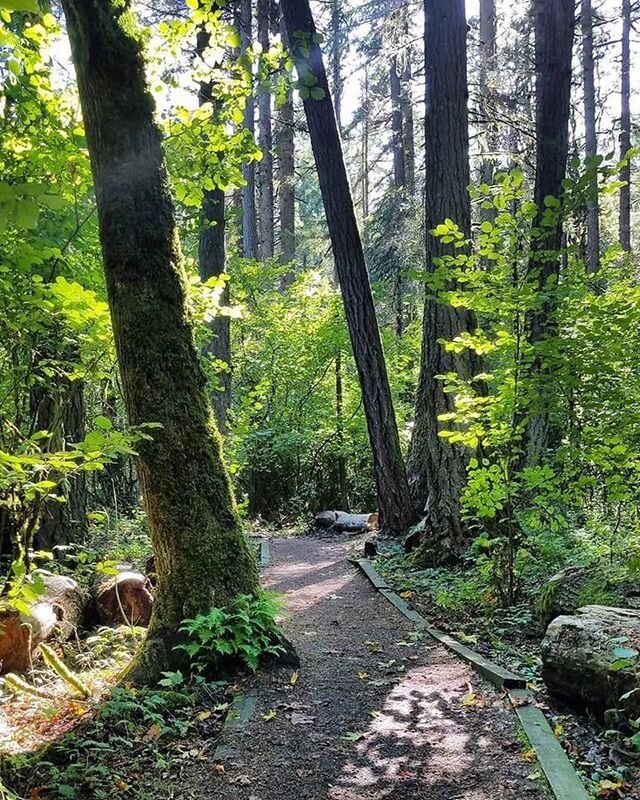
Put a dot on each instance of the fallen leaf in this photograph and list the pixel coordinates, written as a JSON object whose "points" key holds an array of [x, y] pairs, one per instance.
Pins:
{"points": [[606, 788], [533, 776], [295, 676], [202, 715], [354, 736], [153, 733], [271, 714], [219, 768], [406, 595], [363, 675], [529, 755], [120, 785], [375, 647]]}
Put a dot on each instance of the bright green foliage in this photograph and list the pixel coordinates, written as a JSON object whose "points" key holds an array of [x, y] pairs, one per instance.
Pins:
{"points": [[243, 632], [524, 513]]}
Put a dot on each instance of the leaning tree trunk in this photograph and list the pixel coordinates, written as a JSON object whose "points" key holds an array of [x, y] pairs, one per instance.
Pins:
{"points": [[211, 264], [202, 558], [554, 20], [591, 139], [625, 128], [437, 469], [391, 483]]}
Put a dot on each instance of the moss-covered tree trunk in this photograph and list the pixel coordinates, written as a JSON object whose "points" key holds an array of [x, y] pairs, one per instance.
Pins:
{"points": [[202, 558]]}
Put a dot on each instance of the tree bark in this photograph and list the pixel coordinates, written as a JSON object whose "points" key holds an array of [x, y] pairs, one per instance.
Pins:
{"points": [[202, 558], [391, 484], [211, 264], [437, 469], [625, 128], [265, 143], [591, 139], [554, 21], [286, 173], [249, 221], [488, 53], [397, 134]]}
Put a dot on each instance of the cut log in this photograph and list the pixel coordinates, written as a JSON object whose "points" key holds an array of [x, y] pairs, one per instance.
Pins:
{"points": [[592, 657], [68, 601], [21, 635], [125, 598], [57, 614], [341, 521]]}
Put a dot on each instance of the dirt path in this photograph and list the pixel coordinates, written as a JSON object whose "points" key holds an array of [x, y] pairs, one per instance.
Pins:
{"points": [[374, 713]]}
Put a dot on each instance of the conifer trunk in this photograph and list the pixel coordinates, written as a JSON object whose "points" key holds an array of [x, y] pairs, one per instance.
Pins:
{"points": [[248, 192], [211, 264], [285, 145], [625, 127], [591, 139], [202, 558], [554, 20], [391, 484], [437, 469], [265, 143]]}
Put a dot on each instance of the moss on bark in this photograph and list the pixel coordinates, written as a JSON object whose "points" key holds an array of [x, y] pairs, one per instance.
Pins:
{"points": [[202, 557]]}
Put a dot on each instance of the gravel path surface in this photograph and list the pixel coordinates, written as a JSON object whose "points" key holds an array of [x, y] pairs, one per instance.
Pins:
{"points": [[374, 712]]}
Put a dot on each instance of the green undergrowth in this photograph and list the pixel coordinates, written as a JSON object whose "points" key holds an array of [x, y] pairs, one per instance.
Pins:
{"points": [[133, 744]]}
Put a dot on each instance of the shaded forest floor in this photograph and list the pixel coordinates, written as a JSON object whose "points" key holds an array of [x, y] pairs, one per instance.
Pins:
{"points": [[374, 710]]}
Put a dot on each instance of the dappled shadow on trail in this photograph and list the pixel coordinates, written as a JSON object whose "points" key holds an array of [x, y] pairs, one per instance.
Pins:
{"points": [[375, 712]]}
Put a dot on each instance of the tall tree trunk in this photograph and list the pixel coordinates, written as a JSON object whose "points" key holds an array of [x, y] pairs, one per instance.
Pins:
{"points": [[406, 103], [211, 264], [286, 173], [591, 138], [437, 469], [365, 147], [397, 135], [488, 66], [249, 221], [202, 557], [554, 20], [343, 497], [625, 128], [391, 484], [265, 143]]}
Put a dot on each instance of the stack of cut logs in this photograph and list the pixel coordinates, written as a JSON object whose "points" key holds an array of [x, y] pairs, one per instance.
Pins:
{"points": [[64, 608]]}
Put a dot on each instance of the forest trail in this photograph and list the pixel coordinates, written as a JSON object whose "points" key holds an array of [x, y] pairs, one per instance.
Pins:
{"points": [[374, 713]]}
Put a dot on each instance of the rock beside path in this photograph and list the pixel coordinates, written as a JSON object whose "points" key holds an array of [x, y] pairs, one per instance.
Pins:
{"points": [[593, 657]]}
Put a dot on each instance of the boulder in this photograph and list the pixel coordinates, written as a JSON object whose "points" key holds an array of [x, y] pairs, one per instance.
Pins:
{"points": [[124, 597], [592, 657]]}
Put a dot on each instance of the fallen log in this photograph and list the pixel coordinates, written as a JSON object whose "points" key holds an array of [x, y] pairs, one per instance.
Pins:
{"points": [[57, 613], [22, 634], [343, 522], [123, 598]]}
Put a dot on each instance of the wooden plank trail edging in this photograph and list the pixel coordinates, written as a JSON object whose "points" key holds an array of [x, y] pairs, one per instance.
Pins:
{"points": [[559, 771], [239, 715], [264, 558]]}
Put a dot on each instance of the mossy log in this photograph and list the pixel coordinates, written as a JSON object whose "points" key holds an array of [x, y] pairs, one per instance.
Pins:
{"points": [[125, 598]]}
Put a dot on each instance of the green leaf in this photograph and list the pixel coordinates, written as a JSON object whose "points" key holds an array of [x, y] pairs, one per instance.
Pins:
{"points": [[27, 213], [104, 423], [20, 5]]}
